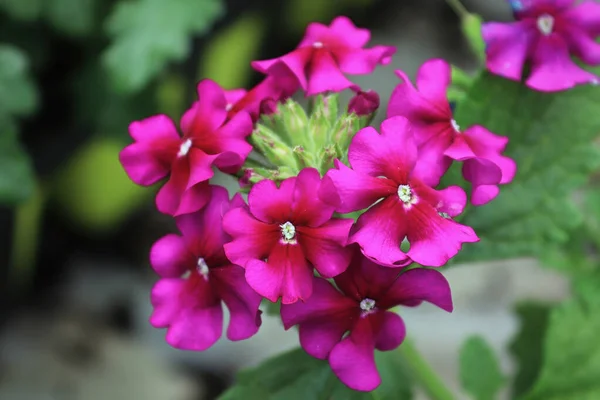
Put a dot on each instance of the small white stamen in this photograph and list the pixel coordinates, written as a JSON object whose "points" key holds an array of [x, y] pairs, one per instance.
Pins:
{"points": [[545, 24], [288, 232], [202, 268], [455, 125], [185, 148], [367, 305], [595, 82], [228, 107], [318, 45], [444, 215], [405, 194]]}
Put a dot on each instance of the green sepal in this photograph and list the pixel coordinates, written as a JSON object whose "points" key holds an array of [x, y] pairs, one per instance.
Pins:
{"points": [[270, 145]]}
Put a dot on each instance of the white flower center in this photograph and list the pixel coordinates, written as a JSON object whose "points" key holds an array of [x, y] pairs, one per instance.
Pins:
{"points": [[545, 24], [202, 268], [405, 194], [367, 305], [288, 232], [228, 107], [444, 215], [318, 45], [455, 125], [185, 148]]}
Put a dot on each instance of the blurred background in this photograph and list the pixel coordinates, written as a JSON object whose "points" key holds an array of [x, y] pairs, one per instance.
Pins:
{"points": [[75, 232]]}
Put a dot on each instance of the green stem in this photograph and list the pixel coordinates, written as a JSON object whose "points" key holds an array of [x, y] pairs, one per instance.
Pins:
{"points": [[426, 376], [458, 8]]}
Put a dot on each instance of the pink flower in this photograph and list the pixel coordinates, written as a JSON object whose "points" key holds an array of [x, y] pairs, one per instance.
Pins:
{"points": [[364, 103], [387, 176], [196, 278], [263, 97], [293, 230], [439, 138], [327, 53], [546, 34], [366, 292], [208, 139]]}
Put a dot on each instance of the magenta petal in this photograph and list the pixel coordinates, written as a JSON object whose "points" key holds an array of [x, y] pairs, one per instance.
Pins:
{"points": [[417, 285], [353, 359], [296, 63], [155, 128], [325, 75], [200, 167], [241, 300], [406, 101], [234, 95], [480, 171], [286, 274], [584, 47], [391, 331], [451, 200], [308, 209], [196, 329], [170, 256], [174, 199], [143, 165], [208, 112], [507, 46], [379, 232], [364, 61], [434, 239], [553, 69], [433, 79], [271, 204], [344, 28], [230, 141], [165, 301], [325, 247], [488, 145], [586, 16], [483, 194], [352, 191], [252, 239]]}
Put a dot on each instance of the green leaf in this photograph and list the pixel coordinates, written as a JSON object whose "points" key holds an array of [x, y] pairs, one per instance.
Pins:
{"points": [[16, 172], [147, 34], [74, 17], [471, 28], [25, 10], [18, 95], [551, 137], [527, 345], [571, 351], [479, 371], [297, 376]]}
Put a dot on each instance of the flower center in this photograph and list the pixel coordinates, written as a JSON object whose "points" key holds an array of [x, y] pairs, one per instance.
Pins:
{"points": [[288, 232], [405, 194], [202, 268], [545, 24], [455, 125], [185, 148], [318, 45], [367, 305], [444, 214], [228, 107]]}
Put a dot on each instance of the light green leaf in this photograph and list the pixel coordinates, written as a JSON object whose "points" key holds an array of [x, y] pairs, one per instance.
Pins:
{"points": [[18, 94], [74, 17], [479, 371], [26, 10], [147, 34], [297, 376], [471, 27], [16, 172], [571, 365], [551, 139]]}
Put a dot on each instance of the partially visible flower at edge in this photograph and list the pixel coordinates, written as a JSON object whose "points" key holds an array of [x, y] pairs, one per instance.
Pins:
{"points": [[364, 103], [366, 292], [196, 278]]}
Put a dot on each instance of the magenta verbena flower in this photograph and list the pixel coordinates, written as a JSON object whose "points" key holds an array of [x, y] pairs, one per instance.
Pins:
{"points": [[440, 139], [209, 138], [283, 233], [364, 102], [196, 278], [325, 54], [388, 176], [346, 325], [546, 34]]}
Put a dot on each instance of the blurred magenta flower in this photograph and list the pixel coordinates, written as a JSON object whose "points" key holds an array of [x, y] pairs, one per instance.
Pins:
{"points": [[364, 103]]}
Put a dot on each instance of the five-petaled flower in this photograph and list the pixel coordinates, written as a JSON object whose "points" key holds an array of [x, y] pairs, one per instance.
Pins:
{"points": [[196, 278], [440, 139], [293, 230], [546, 34], [209, 138], [327, 53], [366, 292], [386, 167]]}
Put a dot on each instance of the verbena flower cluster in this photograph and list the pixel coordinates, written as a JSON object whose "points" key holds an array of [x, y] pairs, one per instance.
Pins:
{"points": [[342, 220]]}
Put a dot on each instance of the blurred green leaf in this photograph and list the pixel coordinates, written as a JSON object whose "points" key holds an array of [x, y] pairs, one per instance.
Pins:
{"points": [[471, 28], [571, 360], [480, 373], [74, 17], [551, 138], [297, 376], [18, 95], [147, 34], [527, 345], [26, 10], [16, 172]]}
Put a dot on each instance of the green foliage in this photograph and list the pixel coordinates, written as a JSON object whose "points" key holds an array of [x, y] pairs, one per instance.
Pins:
{"points": [[147, 34], [16, 173], [26, 10], [471, 28], [551, 139], [479, 371], [297, 376], [571, 361], [18, 95], [527, 346]]}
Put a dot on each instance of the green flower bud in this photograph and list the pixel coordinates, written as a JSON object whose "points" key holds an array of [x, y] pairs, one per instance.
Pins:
{"points": [[270, 145]]}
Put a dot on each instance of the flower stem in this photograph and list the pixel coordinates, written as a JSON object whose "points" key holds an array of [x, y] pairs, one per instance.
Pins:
{"points": [[458, 8], [425, 375]]}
